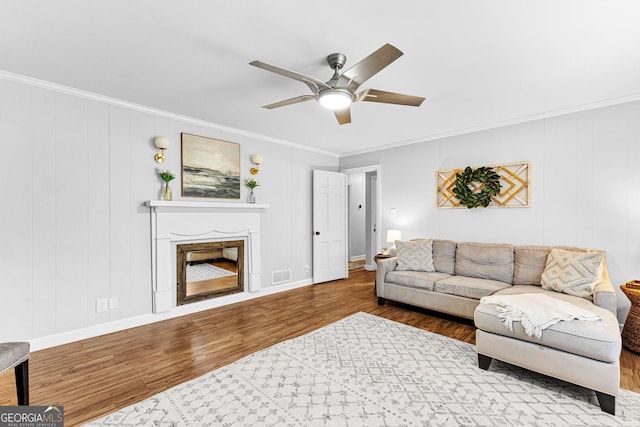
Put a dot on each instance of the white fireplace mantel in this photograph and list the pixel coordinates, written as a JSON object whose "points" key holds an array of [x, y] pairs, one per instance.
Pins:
{"points": [[175, 222], [205, 205]]}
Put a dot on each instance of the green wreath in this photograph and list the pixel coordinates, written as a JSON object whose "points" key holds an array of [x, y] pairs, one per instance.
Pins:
{"points": [[491, 186]]}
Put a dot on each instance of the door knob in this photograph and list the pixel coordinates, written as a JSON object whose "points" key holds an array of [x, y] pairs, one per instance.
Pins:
{"points": [[317, 233]]}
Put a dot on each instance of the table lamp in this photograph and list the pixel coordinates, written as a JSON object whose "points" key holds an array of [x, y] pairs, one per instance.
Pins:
{"points": [[392, 236]]}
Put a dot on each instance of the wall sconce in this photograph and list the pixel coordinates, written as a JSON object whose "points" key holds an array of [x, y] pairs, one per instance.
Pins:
{"points": [[162, 143], [256, 159]]}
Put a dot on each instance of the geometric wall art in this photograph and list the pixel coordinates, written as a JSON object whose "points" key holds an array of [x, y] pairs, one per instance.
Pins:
{"points": [[514, 186]]}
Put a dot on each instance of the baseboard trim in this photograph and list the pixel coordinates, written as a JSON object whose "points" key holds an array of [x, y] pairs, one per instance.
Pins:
{"points": [[145, 319]]}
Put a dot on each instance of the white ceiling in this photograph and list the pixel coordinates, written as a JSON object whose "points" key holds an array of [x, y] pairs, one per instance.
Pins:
{"points": [[477, 63]]}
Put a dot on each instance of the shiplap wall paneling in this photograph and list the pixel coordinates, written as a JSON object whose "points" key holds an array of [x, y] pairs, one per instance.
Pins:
{"points": [[144, 180], [613, 138], [300, 172], [585, 196], [120, 207], [560, 179], [277, 220], [42, 127], [16, 214], [98, 144], [71, 210]]}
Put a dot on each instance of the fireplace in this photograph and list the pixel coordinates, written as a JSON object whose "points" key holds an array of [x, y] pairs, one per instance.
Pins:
{"points": [[217, 230], [209, 270]]}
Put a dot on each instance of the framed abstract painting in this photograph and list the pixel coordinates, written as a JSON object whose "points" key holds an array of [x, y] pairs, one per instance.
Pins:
{"points": [[210, 167]]}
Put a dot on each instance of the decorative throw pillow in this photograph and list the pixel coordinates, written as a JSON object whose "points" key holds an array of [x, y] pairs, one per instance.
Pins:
{"points": [[415, 256], [572, 273]]}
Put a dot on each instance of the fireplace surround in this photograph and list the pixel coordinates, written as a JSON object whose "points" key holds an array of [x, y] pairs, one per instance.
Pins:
{"points": [[175, 223]]}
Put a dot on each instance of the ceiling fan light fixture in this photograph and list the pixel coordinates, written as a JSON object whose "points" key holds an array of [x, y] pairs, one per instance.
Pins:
{"points": [[335, 99]]}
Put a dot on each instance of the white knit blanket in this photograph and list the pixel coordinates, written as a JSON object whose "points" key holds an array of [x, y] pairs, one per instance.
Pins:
{"points": [[536, 312]]}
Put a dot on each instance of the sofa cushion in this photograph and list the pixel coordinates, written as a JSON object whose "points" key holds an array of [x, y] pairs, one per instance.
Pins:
{"points": [[415, 279], [469, 287], [415, 256], [444, 256], [530, 262], [572, 273], [492, 261], [597, 340]]}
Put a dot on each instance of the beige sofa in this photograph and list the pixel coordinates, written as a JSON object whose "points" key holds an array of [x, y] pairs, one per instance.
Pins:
{"points": [[581, 352]]}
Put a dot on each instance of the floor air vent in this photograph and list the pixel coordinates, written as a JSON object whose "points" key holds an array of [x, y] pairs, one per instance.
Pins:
{"points": [[281, 276]]}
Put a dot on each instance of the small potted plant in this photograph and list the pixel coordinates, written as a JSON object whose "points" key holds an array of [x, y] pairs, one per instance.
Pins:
{"points": [[251, 183]]}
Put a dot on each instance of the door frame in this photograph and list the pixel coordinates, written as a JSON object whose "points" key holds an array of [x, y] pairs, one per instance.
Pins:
{"points": [[378, 208]]}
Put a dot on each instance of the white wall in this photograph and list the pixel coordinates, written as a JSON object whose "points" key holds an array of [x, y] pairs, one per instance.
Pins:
{"points": [[357, 216], [585, 185], [77, 171]]}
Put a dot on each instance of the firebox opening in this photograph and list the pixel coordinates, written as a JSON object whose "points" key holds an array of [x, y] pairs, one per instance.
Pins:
{"points": [[209, 270]]}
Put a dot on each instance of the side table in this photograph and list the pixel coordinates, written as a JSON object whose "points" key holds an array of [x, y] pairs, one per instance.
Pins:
{"points": [[375, 259], [631, 330]]}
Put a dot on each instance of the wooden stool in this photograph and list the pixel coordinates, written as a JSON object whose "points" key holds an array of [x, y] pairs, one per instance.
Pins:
{"points": [[631, 330], [16, 355]]}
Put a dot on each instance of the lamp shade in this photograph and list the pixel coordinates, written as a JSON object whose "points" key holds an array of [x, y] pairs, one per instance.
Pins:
{"points": [[162, 142], [257, 159], [393, 235]]}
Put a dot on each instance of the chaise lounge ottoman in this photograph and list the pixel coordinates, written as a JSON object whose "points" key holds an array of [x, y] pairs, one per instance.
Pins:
{"points": [[579, 351]]}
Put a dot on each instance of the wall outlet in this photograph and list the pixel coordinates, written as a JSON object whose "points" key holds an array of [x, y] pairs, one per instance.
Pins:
{"points": [[113, 303], [102, 305], [307, 268]]}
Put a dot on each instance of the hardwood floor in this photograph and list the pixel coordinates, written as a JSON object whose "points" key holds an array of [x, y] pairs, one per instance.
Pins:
{"points": [[94, 377]]}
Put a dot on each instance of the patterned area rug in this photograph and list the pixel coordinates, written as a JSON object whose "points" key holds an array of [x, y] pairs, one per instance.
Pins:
{"points": [[353, 265], [368, 371], [198, 272]]}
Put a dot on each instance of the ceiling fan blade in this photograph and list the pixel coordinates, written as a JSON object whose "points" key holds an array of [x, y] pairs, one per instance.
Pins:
{"points": [[295, 100], [369, 66], [314, 84], [343, 116], [373, 95]]}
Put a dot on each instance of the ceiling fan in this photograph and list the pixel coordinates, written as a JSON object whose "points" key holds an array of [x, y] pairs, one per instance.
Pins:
{"points": [[338, 93]]}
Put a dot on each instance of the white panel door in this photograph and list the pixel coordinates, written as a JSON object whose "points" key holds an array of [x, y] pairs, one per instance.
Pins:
{"points": [[329, 226]]}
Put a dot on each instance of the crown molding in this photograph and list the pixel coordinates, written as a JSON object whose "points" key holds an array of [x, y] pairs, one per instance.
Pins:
{"points": [[43, 84], [529, 118], [6, 75]]}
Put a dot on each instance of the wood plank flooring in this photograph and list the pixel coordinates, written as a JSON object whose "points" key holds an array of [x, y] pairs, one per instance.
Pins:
{"points": [[94, 377]]}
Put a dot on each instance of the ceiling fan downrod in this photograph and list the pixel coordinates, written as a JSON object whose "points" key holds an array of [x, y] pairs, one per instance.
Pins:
{"points": [[336, 61]]}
